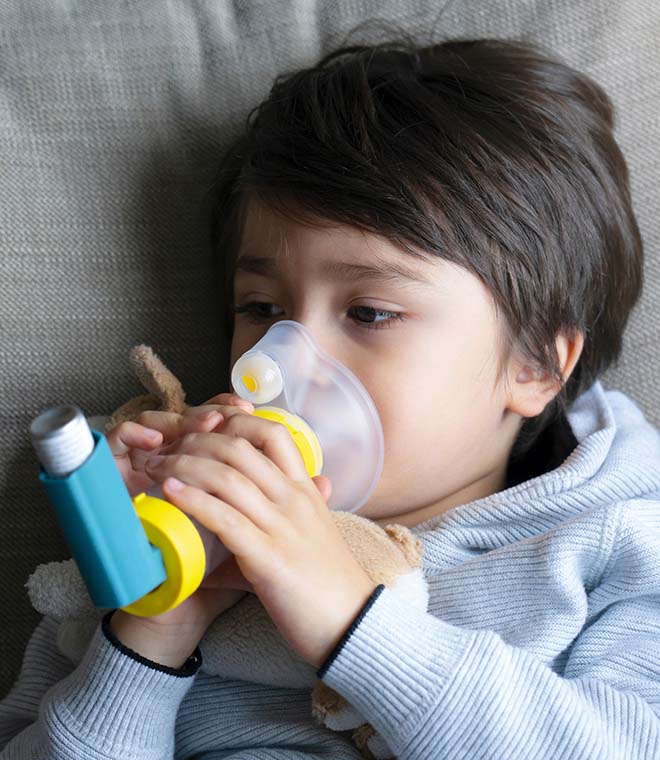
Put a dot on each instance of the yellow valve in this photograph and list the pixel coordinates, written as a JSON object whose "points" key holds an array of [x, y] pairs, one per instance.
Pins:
{"points": [[250, 383]]}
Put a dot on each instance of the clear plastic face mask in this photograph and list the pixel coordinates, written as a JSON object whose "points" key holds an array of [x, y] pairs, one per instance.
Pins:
{"points": [[286, 370]]}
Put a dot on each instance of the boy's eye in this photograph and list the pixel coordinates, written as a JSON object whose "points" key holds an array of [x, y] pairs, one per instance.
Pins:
{"points": [[259, 311]]}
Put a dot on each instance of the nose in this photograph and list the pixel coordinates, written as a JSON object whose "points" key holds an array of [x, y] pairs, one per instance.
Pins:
{"points": [[323, 334]]}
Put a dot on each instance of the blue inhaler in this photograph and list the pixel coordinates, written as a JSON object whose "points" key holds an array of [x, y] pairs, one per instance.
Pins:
{"points": [[94, 509], [143, 554]]}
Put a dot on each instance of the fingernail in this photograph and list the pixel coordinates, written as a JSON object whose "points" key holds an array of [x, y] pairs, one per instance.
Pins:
{"points": [[207, 416], [235, 400], [174, 484], [154, 461]]}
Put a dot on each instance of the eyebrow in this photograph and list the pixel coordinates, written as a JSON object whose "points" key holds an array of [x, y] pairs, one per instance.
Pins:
{"points": [[337, 270]]}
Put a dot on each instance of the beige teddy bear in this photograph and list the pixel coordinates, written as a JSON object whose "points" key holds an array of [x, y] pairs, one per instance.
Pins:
{"points": [[391, 556]]}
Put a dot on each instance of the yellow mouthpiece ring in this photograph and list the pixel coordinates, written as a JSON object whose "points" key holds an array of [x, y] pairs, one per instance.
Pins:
{"points": [[303, 436], [170, 530]]}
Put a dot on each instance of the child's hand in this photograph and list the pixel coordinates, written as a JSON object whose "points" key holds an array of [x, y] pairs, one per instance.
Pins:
{"points": [[133, 442], [170, 637], [248, 485]]}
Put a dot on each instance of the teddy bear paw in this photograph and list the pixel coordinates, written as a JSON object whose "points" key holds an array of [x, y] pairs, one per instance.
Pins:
{"points": [[346, 718], [371, 744], [333, 711]]}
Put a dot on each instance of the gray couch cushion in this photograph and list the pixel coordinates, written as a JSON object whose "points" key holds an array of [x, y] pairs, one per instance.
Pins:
{"points": [[113, 118]]}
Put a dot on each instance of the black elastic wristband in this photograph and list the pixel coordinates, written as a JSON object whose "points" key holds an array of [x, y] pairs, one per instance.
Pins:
{"points": [[189, 667], [340, 644]]}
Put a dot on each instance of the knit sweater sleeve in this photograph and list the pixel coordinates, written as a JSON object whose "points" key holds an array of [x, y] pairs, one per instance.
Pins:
{"points": [[435, 690], [114, 704]]}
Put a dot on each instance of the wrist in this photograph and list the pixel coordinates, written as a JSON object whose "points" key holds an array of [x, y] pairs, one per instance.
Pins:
{"points": [[171, 646]]}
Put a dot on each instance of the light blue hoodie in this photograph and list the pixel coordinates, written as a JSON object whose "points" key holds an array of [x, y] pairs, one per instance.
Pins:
{"points": [[542, 639]]}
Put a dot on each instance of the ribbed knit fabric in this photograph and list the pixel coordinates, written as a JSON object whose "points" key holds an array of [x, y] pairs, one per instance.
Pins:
{"points": [[542, 639]]}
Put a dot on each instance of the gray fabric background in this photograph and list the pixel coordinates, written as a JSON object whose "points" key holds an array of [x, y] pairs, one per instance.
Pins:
{"points": [[112, 118]]}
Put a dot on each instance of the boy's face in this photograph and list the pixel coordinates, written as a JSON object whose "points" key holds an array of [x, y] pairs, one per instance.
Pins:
{"points": [[431, 373]]}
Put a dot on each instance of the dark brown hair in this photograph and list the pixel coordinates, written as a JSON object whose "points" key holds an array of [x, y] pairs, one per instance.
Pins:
{"points": [[488, 153]]}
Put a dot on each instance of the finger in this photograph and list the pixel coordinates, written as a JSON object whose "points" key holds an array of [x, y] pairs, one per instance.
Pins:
{"points": [[201, 419], [273, 439], [169, 424], [324, 485], [239, 454], [168, 428], [173, 425], [232, 399], [221, 481], [194, 413], [130, 435], [236, 531], [202, 423]]}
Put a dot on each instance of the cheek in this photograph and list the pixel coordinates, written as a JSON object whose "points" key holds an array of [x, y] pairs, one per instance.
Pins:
{"points": [[403, 419], [234, 352], [428, 405]]}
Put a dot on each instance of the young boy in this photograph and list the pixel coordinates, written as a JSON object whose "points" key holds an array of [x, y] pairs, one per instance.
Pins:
{"points": [[453, 223]]}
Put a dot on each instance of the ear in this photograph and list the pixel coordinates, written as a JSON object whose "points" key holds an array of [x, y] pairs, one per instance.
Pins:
{"points": [[530, 391]]}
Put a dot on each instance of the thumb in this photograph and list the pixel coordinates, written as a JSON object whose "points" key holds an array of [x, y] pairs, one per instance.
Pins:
{"points": [[324, 484]]}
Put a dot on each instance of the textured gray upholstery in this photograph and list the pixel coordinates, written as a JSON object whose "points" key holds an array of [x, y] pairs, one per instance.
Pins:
{"points": [[113, 116]]}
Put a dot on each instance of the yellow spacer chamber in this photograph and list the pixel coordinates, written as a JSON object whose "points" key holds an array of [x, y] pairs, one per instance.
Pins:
{"points": [[303, 436], [170, 530]]}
